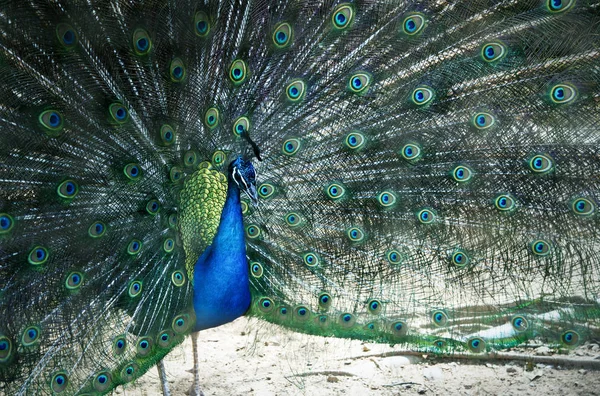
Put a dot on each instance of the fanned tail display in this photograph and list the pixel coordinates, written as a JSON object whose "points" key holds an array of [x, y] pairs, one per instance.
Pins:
{"points": [[429, 177]]}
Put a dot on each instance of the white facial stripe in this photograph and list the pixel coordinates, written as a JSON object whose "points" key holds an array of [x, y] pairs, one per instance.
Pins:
{"points": [[236, 171]]}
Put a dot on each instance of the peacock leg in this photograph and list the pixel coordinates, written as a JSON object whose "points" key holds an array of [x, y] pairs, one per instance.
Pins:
{"points": [[162, 374], [195, 390]]}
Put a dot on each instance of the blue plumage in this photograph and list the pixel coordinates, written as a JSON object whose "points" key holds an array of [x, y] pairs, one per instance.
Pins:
{"points": [[221, 291]]}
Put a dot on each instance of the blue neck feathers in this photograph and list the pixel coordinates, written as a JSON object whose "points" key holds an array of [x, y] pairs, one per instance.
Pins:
{"points": [[221, 284]]}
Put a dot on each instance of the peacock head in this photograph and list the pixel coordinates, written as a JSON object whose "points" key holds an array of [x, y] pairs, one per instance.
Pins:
{"points": [[243, 174]]}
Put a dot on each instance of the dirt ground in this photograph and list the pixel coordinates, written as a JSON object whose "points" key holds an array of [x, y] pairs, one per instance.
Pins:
{"points": [[250, 357]]}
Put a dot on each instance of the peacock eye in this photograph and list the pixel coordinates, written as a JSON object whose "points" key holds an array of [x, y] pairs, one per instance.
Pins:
{"points": [[202, 24], [177, 70], [181, 323], [67, 189], [505, 202], [5, 349], [563, 93], [97, 229], [583, 207], [167, 135], [335, 191], [422, 95], [129, 372], [483, 121], [413, 24], [540, 247], [426, 216], [256, 269], [311, 259], [322, 320], [238, 71], [293, 219], [168, 245], [142, 44], [190, 158], [102, 381], [347, 320], [59, 382], [118, 113], [132, 171], [342, 16], [283, 311], [439, 318], [266, 190], [38, 255], [144, 346], [6, 223], [152, 207], [559, 5], [459, 259], [359, 82], [175, 174], [493, 52], [30, 336], [462, 174], [134, 247], [219, 157], [325, 300], [66, 35], [291, 146], [411, 152], [119, 345], [355, 234], [74, 280], [178, 278], [394, 257], [172, 220], [519, 323], [302, 313], [164, 339], [253, 231], [355, 140], [374, 306], [241, 124], [399, 329], [211, 118], [295, 90], [440, 344], [135, 288], [52, 121], [265, 305], [570, 338], [476, 345], [282, 36], [541, 163], [386, 199]]}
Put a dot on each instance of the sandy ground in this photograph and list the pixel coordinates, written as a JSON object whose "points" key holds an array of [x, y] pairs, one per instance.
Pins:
{"points": [[250, 357]]}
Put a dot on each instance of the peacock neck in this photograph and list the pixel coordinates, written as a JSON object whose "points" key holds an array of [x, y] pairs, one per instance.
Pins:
{"points": [[230, 233], [221, 284]]}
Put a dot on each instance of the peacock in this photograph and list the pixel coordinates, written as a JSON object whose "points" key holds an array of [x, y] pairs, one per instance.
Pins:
{"points": [[423, 173]]}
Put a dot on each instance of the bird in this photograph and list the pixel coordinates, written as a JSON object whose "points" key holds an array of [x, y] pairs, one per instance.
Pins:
{"points": [[421, 173]]}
